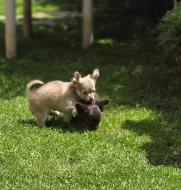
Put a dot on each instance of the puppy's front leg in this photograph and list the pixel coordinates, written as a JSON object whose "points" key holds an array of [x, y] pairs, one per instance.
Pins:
{"points": [[71, 108], [74, 112], [68, 116]]}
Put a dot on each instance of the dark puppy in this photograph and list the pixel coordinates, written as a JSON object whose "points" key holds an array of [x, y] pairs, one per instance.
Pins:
{"points": [[89, 114]]}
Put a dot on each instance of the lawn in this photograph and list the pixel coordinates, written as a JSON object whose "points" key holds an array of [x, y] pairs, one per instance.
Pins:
{"points": [[138, 142]]}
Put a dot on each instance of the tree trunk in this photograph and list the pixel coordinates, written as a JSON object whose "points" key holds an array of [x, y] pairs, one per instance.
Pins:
{"points": [[10, 29], [87, 24], [27, 27]]}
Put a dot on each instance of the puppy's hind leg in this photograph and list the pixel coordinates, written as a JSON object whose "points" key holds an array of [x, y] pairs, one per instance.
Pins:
{"points": [[41, 117]]}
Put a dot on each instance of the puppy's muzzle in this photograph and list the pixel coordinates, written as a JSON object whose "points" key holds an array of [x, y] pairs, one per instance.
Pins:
{"points": [[90, 97]]}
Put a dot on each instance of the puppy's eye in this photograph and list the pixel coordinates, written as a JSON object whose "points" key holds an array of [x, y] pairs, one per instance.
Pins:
{"points": [[84, 93]]}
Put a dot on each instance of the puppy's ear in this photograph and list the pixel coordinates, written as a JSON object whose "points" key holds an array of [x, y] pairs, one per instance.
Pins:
{"points": [[81, 108], [76, 78], [95, 75], [101, 104], [104, 102]]}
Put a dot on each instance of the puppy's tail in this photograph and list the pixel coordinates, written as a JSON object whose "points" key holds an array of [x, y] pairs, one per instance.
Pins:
{"points": [[31, 84]]}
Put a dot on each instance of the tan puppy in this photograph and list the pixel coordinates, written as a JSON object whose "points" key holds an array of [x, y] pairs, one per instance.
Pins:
{"points": [[60, 96]]}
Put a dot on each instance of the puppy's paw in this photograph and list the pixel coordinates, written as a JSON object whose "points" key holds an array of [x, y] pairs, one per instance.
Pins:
{"points": [[57, 113], [54, 113]]}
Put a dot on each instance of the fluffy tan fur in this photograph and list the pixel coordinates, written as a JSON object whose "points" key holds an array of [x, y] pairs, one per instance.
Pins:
{"points": [[60, 96]]}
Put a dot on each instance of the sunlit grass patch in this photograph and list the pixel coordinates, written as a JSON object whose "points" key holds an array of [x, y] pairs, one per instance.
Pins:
{"points": [[105, 41]]}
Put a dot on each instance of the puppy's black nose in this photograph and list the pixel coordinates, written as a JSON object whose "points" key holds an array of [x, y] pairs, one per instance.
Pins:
{"points": [[91, 99]]}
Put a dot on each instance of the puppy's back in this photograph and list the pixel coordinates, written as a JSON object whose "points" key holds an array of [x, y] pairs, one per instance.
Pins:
{"points": [[53, 95]]}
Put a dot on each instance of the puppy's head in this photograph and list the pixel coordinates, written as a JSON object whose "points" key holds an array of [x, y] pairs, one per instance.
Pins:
{"points": [[85, 86], [89, 115]]}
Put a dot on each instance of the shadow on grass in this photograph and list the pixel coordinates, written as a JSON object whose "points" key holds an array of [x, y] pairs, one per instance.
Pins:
{"points": [[165, 145], [55, 123], [59, 123], [128, 70]]}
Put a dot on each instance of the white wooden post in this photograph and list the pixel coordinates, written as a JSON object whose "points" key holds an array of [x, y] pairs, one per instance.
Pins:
{"points": [[87, 24], [10, 28], [175, 3], [27, 27]]}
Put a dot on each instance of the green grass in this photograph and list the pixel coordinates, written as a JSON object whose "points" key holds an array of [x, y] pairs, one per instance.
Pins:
{"points": [[138, 143], [45, 6]]}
